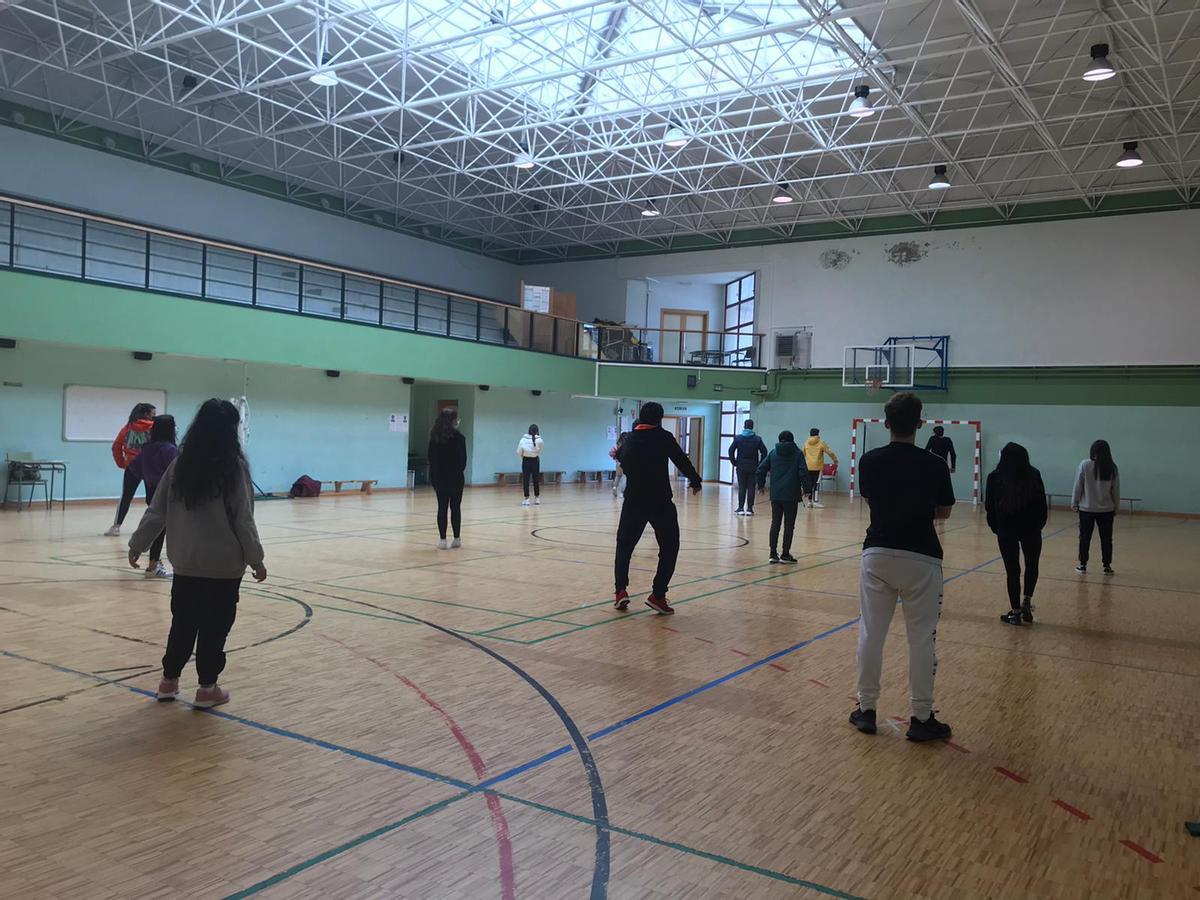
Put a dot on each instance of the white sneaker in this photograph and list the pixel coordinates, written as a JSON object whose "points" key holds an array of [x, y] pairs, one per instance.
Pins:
{"points": [[525, 502], [157, 571], [537, 501], [739, 512], [113, 531], [443, 544], [455, 544], [818, 505]]}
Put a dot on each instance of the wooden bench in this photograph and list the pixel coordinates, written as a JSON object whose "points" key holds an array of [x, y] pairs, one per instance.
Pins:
{"points": [[503, 478], [597, 475], [368, 484], [1050, 501]]}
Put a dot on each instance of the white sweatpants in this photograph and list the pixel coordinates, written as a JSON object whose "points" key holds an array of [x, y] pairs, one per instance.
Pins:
{"points": [[915, 580]]}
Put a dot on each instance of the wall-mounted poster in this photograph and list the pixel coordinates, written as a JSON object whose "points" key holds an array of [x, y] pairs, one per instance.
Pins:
{"points": [[536, 298]]}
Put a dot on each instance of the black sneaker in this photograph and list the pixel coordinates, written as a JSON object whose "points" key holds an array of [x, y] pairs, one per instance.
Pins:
{"points": [[1108, 570], [788, 558], [1081, 569], [929, 730], [1027, 611], [1012, 617], [863, 720], [774, 558]]}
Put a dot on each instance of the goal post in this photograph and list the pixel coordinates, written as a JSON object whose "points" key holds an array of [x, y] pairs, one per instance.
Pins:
{"points": [[858, 423]]}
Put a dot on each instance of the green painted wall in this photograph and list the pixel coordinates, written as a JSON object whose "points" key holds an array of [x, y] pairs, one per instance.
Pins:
{"points": [[1155, 446], [301, 422]]}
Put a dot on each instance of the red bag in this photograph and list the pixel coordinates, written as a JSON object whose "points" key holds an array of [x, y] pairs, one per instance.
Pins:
{"points": [[306, 487]]}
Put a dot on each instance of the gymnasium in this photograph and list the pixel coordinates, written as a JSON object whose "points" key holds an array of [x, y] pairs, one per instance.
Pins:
{"points": [[364, 236]]}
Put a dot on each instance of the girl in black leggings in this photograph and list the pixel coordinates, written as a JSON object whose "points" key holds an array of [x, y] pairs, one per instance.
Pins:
{"points": [[1015, 501], [447, 473]]}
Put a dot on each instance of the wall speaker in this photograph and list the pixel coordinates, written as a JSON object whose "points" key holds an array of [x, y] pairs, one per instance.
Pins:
{"points": [[142, 356], [485, 387], [333, 373], [409, 380], [693, 381], [7, 344], [536, 393]]}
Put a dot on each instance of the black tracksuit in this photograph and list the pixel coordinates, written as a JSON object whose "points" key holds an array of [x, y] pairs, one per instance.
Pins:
{"points": [[1018, 532], [943, 447], [746, 452], [447, 474], [644, 458]]}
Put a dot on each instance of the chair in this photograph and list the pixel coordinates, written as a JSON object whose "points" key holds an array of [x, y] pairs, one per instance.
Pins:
{"points": [[21, 472], [829, 473]]}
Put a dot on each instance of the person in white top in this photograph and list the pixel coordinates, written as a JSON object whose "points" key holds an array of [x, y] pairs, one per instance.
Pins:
{"points": [[1096, 497], [530, 450]]}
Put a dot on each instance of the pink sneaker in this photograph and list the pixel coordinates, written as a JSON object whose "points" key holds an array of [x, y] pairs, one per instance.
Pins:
{"points": [[168, 689], [208, 697]]}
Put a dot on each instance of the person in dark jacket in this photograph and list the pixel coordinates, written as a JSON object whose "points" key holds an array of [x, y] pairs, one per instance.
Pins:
{"points": [[447, 473], [746, 452], [940, 445], [149, 466], [787, 468], [1015, 500], [643, 458]]}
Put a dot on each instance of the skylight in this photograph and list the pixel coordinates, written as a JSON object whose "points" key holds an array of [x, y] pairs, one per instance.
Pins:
{"points": [[563, 56]]}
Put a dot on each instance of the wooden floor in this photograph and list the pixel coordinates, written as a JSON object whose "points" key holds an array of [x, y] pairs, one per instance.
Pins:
{"points": [[378, 683]]}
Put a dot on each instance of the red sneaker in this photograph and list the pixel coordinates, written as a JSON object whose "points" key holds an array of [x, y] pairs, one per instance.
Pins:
{"points": [[621, 601], [659, 605], [208, 697], [168, 690]]}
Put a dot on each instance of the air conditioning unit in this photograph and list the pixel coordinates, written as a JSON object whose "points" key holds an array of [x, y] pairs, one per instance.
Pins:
{"points": [[793, 347]]}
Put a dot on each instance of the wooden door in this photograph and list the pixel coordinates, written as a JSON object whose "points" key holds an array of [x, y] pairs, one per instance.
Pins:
{"points": [[695, 442], [684, 331]]}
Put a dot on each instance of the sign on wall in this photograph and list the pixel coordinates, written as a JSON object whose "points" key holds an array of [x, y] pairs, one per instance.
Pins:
{"points": [[536, 298], [398, 422]]}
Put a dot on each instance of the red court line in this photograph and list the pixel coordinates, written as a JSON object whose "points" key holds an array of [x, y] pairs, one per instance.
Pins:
{"points": [[959, 747], [508, 887], [669, 628], [706, 640], [1142, 851], [777, 666], [1075, 811], [739, 652], [824, 685], [1008, 773]]}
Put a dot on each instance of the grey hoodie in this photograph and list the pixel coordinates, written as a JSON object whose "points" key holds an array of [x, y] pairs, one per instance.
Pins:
{"points": [[1093, 495], [216, 539]]}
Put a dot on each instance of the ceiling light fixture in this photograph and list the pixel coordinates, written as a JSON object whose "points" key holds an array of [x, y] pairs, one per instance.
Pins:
{"points": [[1130, 159], [523, 159], [675, 136], [650, 210], [860, 107], [1099, 69], [782, 195], [188, 85], [940, 182], [499, 37], [324, 77]]}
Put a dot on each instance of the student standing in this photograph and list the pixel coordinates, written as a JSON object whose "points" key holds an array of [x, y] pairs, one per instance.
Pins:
{"points": [[1096, 497], [906, 489], [447, 473], [125, 448], [940, 445], [746, 452], [1015, 500], [815, 451], [530, 450], [205, 501], [644, 458], [785, 465], [150, 466]]}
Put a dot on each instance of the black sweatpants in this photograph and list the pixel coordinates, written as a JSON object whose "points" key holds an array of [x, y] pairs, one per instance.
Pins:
{"points": [[531, 470], [157, 545], [745, 479], [814, 484], [664, 519], [449, 498], [1104, 522], [128, 488], [202, 613], [1012, 545], [783, 513]]}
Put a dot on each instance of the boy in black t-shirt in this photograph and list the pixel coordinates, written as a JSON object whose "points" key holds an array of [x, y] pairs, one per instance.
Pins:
{"points": [[907, 488]]}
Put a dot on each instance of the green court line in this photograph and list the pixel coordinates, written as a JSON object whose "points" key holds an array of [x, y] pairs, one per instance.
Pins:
{"points": [[359, 612], [684, 848]]}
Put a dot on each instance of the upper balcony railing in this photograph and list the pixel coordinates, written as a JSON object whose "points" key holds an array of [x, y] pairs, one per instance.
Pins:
{"points": [[52, 240]]}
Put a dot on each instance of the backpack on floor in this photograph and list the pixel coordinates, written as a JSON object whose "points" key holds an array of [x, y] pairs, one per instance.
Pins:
{"points": [[306, 487]]}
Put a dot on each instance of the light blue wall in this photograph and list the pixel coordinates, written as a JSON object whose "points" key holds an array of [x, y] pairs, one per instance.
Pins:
{"points": [[301, 421], [1155, 447]]}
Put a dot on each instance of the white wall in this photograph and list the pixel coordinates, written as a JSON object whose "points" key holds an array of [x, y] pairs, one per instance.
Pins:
{"points": [[43, 168], [645, 299], [1110, 291]]}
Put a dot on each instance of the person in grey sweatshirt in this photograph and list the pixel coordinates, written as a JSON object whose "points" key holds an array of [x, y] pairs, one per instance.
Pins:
{"points": [[205, 501], [1096, 497]]}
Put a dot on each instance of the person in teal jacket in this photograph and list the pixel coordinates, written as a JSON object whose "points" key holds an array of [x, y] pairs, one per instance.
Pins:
{"points": [[786, 466]]}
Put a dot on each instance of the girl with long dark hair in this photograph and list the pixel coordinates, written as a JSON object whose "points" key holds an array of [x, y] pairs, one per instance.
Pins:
{"points": [[1096, 497], [530, 450], [125, 449], [447, 473], [150, 466], [1015, 500], [205, 501]]}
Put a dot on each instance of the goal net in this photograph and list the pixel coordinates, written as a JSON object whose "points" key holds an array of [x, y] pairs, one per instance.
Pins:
{"points": [[859, 445]]}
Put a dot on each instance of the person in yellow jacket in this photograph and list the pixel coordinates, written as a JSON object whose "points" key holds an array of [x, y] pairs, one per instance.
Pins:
{"points": [[815, 451]]}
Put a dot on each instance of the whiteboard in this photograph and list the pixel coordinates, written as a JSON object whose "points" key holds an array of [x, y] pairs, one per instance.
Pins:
{"points": [[98, 413]]}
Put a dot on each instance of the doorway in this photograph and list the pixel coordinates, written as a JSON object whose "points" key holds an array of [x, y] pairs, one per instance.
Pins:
{"points": [[684, 331]]}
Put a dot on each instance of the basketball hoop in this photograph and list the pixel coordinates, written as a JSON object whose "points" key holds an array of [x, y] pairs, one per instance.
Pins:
{"points": [[874, 387]]}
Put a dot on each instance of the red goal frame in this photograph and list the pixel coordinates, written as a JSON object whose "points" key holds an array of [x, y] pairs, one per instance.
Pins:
{"points": [[972, 423]]}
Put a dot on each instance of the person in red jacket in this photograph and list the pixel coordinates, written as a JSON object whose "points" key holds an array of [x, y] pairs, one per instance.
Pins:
{"points": [[125, 449]]}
